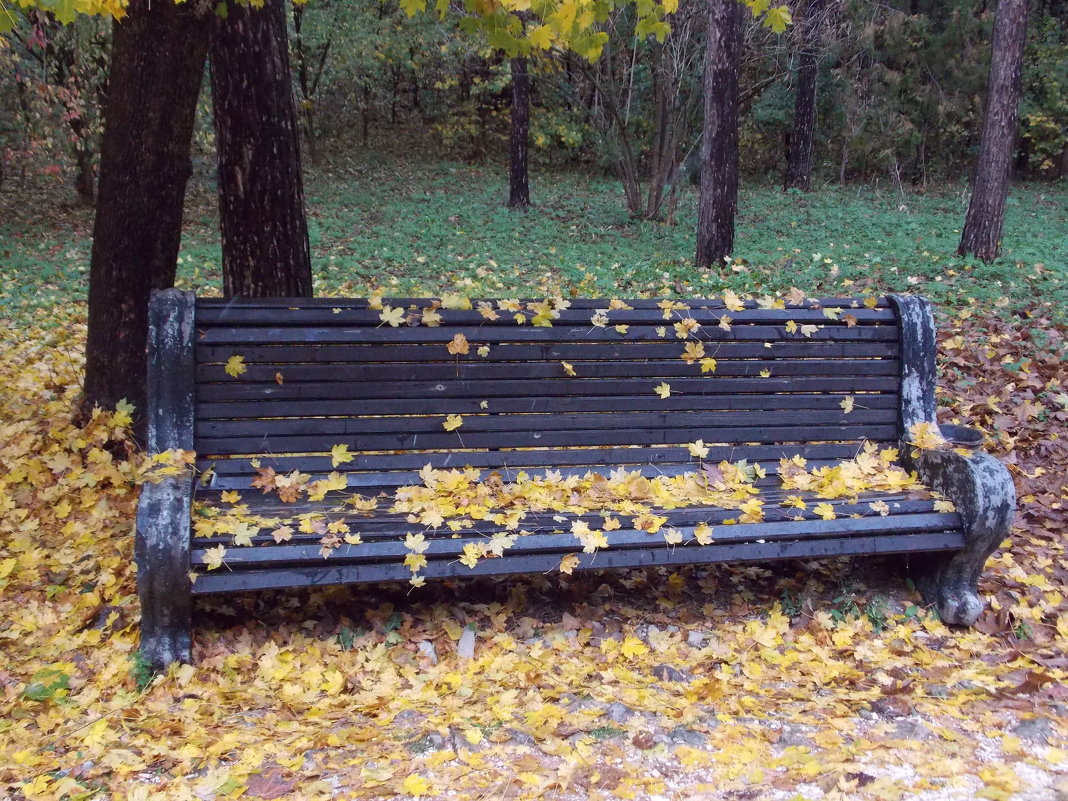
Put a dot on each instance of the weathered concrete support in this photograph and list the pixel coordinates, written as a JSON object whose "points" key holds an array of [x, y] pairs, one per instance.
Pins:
{"points": [[977, 483], [162, 547]]}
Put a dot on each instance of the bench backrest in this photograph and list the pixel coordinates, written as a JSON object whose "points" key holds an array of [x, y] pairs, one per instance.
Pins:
{"points": [[816, 379]]}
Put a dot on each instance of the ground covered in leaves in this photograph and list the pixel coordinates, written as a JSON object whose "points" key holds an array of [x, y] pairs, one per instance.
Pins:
{"points": [[784, 681], [800, 680]]}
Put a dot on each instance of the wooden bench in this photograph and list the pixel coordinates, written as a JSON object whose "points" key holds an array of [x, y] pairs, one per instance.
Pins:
{"points": [[816, 380]]}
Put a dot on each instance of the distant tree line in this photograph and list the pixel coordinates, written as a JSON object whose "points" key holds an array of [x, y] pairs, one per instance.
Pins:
{"points": [[660, 93]]}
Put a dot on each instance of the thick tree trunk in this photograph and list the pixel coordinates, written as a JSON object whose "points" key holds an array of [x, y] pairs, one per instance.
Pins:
{"points": [[157, 61], [261, 191], [719, 142], [518, 179], [986, 211], [799, 160]]}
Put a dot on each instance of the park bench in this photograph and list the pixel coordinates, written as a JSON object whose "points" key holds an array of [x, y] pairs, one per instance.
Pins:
{"points": [[368, 388]]}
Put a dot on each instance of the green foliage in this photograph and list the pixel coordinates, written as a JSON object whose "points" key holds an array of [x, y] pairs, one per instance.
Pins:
{"points": [[141, 671], [48, 685]]}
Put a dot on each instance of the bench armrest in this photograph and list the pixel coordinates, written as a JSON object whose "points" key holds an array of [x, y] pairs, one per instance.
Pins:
{"points": [[982, 490], [961, 436]]}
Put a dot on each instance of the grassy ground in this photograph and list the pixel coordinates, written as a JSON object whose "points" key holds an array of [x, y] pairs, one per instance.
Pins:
{"points": [[422, 228]]}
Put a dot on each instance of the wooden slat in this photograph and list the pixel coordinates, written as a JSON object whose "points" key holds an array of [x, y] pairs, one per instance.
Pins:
{"points": [[325, 575], [567, 543], [269, 407], [516, 388], [576, 303], [284, 316], [494, 335], [265, 443], [564, 351], [651, 458], [387, 526], [544, 371], [525, 423]]}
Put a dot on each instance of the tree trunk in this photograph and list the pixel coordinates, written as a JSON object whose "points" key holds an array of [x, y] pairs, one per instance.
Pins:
{"points": [[261, 192], [157, 61], [799, 161], [518, 179], [986, 211], [719, 142]]}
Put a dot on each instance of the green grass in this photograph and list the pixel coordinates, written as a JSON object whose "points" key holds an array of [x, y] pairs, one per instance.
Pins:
{"points": [[424, 228]]}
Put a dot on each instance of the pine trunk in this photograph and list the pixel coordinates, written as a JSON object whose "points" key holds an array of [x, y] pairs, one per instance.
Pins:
{"points": [[157, 61], [719, 142], [518, 179], [986, 211], [799, 159], [261, 191]]}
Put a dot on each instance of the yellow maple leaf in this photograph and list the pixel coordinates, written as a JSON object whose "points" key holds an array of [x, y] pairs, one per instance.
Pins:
{"points": [[824, 510], [213, 557], [791, 327], [339, 455], [871, 302], [416, 543], [880, 507], [708, 365], [693, 351], [416, 785], [698, 450], [391, 316], [663, 389], [415, 562], [431, 318], [765, 373], [541, 37], [569, 369], [622, 329], [673, 536], [569, 563], [612, 524], [599, 319], [455, 301], [632, 647], [847, 404], [703, 533], [452, 422], [231, 496], [732, 301], [483, 351], [725, 323], [417, 581], [458, 345], [235, 366]]}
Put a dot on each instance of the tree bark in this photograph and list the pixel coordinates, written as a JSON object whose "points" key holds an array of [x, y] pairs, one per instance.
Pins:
{"points": [[157, 61], [261, 191], [719, 142], [799, 160], [986, 211], [518, 178]]}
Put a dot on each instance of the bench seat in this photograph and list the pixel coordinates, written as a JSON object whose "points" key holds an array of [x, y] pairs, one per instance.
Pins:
{"points": [[380, 396]]}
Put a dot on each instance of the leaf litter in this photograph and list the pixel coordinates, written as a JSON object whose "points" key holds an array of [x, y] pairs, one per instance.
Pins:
{"points": [[800, 680]]}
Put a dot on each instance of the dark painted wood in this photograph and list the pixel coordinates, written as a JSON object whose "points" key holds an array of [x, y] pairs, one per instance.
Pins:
{"points": [[613, 351], [695, 421], [273, 317], [652, 458], [322, 574], [265, 443], [576, 303], [269, 407], [504, 388], [238, 336], [547, 371], [162, 542], [780, 521]]}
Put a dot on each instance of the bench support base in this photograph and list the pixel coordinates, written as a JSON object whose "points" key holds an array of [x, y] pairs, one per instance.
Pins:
{"points": [[982, 490], [162, 555]]}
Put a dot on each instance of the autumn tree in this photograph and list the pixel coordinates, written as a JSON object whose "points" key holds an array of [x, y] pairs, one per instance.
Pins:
{"points": [[157, 61], [519, 140], [986, 210], [719, 139], [261, 189], [799, 154]]}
